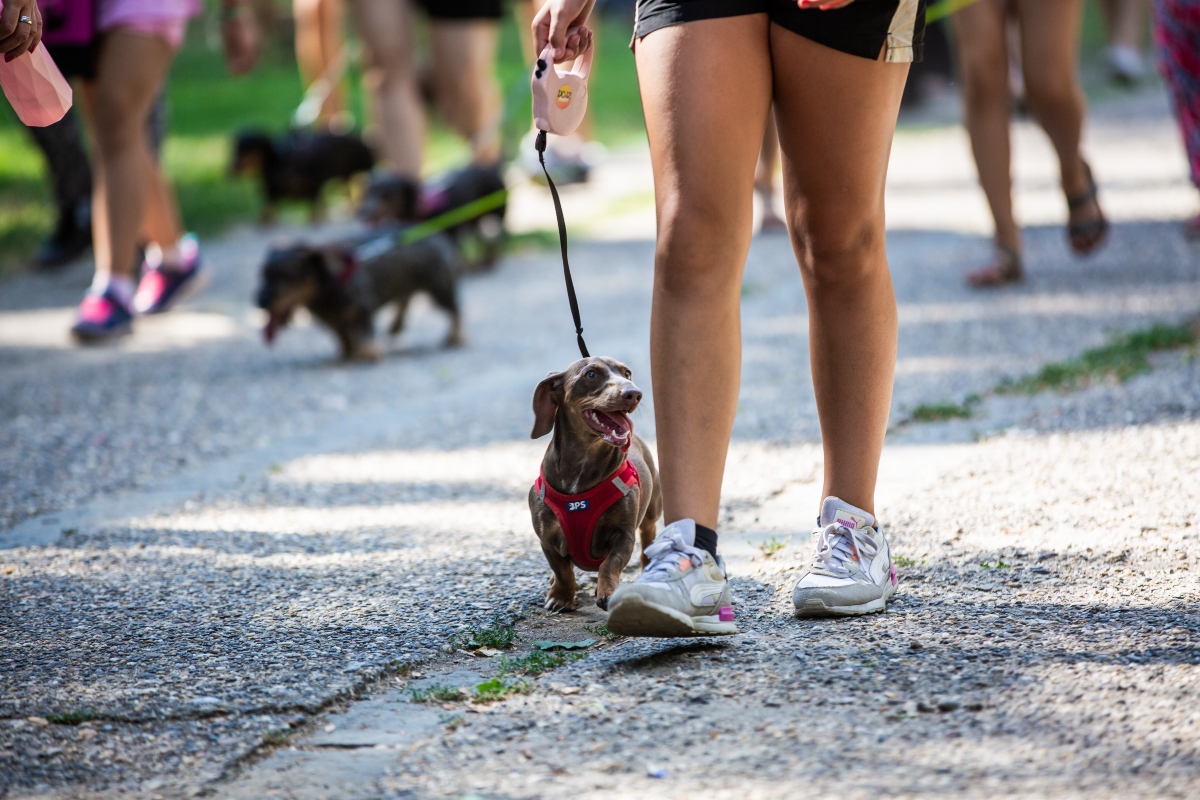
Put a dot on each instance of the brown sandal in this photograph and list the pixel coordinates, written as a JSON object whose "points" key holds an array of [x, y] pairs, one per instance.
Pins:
{"points": [[1087, 236], [1005, 269]]}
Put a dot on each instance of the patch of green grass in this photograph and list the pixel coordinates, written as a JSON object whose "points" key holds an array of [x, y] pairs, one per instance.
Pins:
{"points": [[905, 561], [437, 693], [498, 689], [601, 631], [277, 736], [1000, 564], [531, 241], [537, 662], [771, 546], [939, 412], [498, 635], [73, 717], [1126, 355]]}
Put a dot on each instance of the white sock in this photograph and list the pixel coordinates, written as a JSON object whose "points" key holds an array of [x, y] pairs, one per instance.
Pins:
{"points": [[120, 285]]}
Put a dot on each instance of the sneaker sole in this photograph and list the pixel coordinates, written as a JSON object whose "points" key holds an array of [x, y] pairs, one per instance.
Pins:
{"points": [[636, 617], [89, 337], [817, 608]]}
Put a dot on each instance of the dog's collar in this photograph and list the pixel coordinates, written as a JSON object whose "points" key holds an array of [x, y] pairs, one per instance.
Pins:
{"points": [[578, 514]]}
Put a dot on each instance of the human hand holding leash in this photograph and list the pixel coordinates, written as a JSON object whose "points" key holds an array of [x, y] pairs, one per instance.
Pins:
{"points": [[20, 28], [560, 24]]}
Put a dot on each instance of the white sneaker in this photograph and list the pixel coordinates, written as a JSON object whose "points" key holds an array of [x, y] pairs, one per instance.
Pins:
{"points": [[683, 591], [851, 570], [1125, 64]]}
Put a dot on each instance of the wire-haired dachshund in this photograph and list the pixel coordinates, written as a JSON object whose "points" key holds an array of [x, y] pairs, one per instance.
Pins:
{"points": [[345, 284]]}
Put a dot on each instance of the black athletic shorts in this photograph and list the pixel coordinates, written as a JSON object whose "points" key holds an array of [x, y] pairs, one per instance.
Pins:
{"points": [[462, 9], [864, 28]]}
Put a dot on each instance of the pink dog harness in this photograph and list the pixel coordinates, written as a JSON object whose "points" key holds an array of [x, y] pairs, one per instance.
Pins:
{"points": [[578, 513]]}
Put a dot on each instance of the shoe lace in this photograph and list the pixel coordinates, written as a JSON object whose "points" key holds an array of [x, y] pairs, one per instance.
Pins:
{"points": [[838, 545], [668, 550]]}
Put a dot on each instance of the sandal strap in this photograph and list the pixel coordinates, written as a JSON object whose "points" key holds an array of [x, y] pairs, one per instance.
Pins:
{"points": [[1087, 196]]}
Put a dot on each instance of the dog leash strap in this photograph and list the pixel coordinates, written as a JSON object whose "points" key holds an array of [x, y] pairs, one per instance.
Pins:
{"points": [[562, 242]]}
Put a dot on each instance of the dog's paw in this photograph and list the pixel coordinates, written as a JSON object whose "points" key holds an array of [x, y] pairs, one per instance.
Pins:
{"points": [[602, 603], [454, 340], [558, 604], [368, 353]]}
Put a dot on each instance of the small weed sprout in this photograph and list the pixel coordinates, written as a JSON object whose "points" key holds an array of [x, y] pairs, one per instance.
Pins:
{"points": [[452, 721], [771, 546], [498, 635], [904, 561], [537, 662], [437, 693], [601, 631], [498, 689], [277, 736]]}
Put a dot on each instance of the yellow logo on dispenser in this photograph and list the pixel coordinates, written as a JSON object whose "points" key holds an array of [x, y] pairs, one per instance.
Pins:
{"points": [[564, 96]]}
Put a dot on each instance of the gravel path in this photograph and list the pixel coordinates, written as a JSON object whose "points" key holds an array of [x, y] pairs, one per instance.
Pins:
{"points": [[223, 568]]}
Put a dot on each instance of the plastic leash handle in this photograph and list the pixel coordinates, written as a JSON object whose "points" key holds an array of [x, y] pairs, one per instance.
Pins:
{"points": [[559, 102]]}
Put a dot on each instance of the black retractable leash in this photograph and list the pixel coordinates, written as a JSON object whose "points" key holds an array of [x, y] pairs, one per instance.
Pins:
{"points": [[559, 102], [562, 243]]}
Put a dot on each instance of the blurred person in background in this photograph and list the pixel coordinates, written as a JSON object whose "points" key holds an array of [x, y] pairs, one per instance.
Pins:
{"points": [[320, 40], [764, 177], [463, 37], [1049, 39], [1177, 38], [136, 41], [1126, 23]]}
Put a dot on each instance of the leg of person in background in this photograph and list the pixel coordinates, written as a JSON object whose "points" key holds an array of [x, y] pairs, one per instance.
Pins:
{"points": [[131, 69], [764, 177], [1126, 22], [464, 80], [982, 54], [320, 37], [1177, 39], [71, 179], [386, 28], [1050, 47]]}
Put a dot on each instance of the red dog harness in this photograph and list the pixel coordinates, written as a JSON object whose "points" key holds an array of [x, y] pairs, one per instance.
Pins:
{"points": [[578, 513]]}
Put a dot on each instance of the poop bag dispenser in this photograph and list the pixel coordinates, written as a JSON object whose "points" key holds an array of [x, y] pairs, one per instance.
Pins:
{"points": [[560, 98]]}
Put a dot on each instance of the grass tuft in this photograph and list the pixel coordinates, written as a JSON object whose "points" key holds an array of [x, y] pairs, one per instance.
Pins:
{"points": [[498, 689], [277, 736], [905, 561], [498, 635], [601, 631], [939, 412], [1125, 356], [74, 717], [537, 662], [771, 546], [437, 693]]}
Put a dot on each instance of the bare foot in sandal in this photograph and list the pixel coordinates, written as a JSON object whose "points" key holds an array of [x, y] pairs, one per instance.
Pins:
{"points": [[1087, 227], [1004, 269]]}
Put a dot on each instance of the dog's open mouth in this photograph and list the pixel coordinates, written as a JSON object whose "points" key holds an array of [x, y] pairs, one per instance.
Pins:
{"points": [[614, 427], [274, 323]]}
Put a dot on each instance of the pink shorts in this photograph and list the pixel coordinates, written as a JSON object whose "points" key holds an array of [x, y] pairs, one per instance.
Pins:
{"points": [[165, 18]]}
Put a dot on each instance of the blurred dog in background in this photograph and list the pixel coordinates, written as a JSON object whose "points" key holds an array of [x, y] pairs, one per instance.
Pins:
{"points": [[343, 285], [298, 165]]}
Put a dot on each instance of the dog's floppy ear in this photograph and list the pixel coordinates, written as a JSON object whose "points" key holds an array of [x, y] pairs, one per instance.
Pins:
{"points": [[545, 404]]}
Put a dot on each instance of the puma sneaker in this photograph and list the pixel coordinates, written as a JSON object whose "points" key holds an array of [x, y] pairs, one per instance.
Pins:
{"points": [[851, 569], [683, 591]]}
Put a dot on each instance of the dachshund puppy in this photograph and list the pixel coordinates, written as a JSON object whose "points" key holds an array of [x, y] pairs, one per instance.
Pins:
{"points": [[598, 490], [344, 285], [297, 165]]}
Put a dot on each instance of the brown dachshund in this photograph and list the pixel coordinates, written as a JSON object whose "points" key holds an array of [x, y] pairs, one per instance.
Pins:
{"points": [[598, 488]]}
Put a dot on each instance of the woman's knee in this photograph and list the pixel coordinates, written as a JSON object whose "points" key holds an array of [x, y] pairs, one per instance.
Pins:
{"points": [[1051, 91], [841, 253], [119, 118], [701, 247]]}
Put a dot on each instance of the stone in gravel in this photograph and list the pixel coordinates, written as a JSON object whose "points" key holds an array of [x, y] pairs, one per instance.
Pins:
{"points": [[698, 696], [947, 706], [916, 645], [925, 708]]}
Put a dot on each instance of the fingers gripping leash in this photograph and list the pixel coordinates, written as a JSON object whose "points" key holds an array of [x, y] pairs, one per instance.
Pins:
{"points": [[559, 102]]}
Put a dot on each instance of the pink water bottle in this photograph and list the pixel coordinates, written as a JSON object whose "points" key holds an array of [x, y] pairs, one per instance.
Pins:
{"points": [[37, 90]]}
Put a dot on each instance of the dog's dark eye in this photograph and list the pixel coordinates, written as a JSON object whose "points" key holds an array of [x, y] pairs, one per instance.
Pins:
{"points": [[591, 374], [628, 374]]}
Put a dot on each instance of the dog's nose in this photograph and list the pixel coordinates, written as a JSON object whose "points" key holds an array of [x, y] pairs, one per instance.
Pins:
{"points": [[632, 396]]}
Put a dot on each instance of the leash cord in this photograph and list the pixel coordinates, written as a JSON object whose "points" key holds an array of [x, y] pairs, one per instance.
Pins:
{"points": [[540, 144]]}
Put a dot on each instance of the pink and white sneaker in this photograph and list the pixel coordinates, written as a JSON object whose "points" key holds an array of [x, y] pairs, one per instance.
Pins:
{"points": [[163, 286], [101, 317], [851, 570]]}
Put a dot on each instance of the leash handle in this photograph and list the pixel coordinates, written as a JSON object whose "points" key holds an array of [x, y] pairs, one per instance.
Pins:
{"points": [[540, 144]]}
